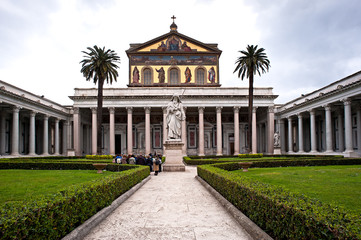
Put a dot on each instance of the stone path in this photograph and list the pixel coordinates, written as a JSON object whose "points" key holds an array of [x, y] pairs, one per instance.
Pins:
{"points": [[172, 205]]}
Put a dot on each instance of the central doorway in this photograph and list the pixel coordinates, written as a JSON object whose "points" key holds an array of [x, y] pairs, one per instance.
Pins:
{"points": [[118, 143]]}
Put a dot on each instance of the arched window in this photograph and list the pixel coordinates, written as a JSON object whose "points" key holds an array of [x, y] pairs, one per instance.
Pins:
{"points": [[200, 76], [174, 76], [147, 79]]}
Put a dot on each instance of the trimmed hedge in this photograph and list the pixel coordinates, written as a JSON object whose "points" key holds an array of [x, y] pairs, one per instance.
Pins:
{"points": [[280, 161], [99, 156], [283, 215], [54, 216], [250, 155]]}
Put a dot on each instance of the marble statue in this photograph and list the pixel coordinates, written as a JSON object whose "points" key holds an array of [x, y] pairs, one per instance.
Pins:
{"points": [[175, 116], [276, 139]]}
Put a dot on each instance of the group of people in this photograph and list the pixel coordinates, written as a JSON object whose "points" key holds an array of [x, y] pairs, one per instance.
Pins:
{"points": [[154, 161]]}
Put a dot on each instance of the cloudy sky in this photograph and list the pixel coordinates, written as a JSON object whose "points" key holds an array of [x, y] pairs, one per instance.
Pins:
{"points": [[310, 43]]}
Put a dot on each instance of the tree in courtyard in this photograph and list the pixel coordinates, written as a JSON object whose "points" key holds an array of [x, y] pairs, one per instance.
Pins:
{"points": [[251, 62], [100, 65]]}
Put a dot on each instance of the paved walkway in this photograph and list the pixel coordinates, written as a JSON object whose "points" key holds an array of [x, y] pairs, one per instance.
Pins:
{"points": [[172, 205]]}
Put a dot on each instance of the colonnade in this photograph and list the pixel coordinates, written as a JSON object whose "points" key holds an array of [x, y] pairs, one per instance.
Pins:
{"points": [[329, 130], [10, 138], [219, 138]]}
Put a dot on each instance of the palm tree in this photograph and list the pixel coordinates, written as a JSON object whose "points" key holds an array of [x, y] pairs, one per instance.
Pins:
{"points": [[100, 65], [249, 64]]}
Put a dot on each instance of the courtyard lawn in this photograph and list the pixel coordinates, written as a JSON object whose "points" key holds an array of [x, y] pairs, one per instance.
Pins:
{"points": [[20, 185], [340, 185]]}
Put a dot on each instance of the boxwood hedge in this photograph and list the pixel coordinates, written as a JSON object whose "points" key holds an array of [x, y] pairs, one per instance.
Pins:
{"points": [[283, 215], [54, 216]]}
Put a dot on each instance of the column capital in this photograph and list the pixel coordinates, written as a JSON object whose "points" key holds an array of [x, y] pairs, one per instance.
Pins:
{"points": [[147, 110], [45, 117], [289, 118], [200, 109], [299, 115], [312, 111], [327, 107], [16, 109], [76, 110], [219, 109], [33, 113], [111, 110], [184, 109], [57, 120], [94, 110], [346, 101], [271, 109], [236, 109], [129, 110], [254, 109]]}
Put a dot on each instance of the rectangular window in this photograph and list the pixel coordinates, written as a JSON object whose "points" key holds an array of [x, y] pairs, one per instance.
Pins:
{"points": [[214, 137], [134, 132], [157, 137], [192, 137]]}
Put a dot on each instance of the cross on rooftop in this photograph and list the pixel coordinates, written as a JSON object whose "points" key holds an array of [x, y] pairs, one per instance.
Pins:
{"points": [[173, 18]]}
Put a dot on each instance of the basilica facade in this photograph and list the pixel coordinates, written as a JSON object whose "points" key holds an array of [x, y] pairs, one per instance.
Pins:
{"points": [[327, 121]]}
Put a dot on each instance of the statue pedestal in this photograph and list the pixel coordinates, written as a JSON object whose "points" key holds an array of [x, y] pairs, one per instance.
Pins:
{"points": [[277, 150], [174, 156]]}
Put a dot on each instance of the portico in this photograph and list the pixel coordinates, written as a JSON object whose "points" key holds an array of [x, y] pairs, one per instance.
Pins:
{"points": [[327, 121], [31, 125], [212, 117]]}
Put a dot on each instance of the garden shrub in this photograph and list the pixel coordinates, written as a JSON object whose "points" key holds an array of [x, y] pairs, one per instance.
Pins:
{"points": [[280, 161], [283, 215], [54, 216], [99, 156], [250, 155]]}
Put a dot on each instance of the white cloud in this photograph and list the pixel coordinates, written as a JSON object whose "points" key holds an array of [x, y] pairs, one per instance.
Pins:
{"points": [[310, 42]]}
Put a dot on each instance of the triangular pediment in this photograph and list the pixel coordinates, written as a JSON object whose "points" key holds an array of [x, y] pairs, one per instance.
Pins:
{"points": [[173, 42]]}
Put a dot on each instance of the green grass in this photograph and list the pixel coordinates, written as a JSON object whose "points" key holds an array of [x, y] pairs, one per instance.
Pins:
{"points": [[19, 185], [340, 185]]}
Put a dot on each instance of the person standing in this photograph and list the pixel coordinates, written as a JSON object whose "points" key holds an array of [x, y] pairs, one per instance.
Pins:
{"points": [[155, 165]]}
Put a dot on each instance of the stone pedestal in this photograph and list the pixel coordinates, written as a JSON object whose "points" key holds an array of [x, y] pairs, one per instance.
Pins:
{"points": [[174, 156], [277, 150]]}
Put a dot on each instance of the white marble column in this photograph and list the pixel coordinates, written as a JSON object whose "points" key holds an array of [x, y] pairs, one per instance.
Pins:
{"points": [[165, 132], [57, 136], [65, 137], [254, 130], [201, 131], [130, 130], [328, 126], [290, 135], [341, 145], [2, 133], [15, 132], [313, 131], [348, 126], [271, 130], [76, 133], [358, 116], [111, 131], [94, 130], [184, 133], [46, 135], [300, 133], [32, 133], [147, 130], [219, 131], [236, 129]]}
